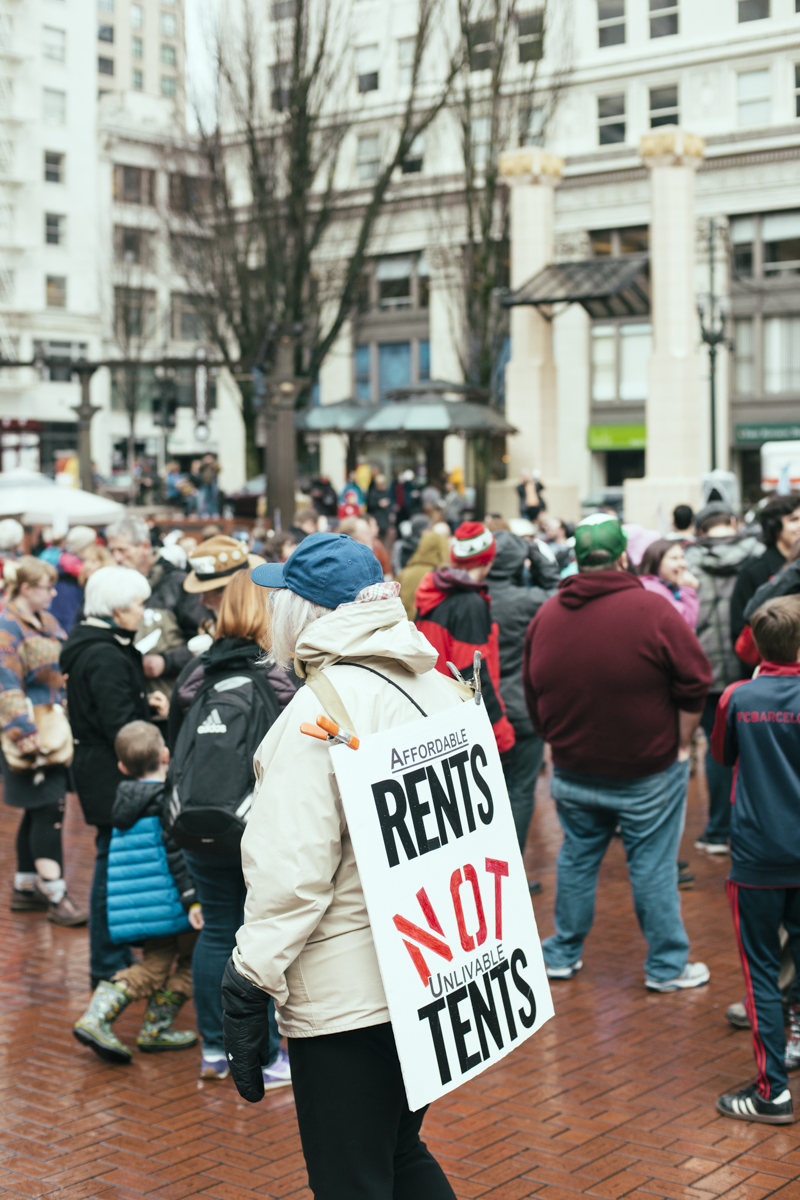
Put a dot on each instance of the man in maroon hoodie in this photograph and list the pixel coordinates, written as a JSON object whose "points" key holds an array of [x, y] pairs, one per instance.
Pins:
{"points": [[616, 681]]}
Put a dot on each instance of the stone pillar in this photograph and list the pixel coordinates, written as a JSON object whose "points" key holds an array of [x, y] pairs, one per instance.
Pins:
{"points": [[676, 413], [531, 392], [336, 383]]}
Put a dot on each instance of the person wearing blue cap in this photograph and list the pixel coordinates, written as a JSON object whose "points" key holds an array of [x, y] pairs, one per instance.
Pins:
{"points": [[306, 939]]}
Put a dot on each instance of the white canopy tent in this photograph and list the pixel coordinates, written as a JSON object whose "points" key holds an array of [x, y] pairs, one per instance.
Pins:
{"points": [[37, 500]]}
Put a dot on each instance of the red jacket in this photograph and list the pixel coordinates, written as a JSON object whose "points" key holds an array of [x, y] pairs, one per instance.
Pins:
{"points": [[454, 614], [607, 665]]}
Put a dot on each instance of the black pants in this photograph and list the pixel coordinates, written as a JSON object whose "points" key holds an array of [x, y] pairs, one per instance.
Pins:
{"points": [[757, 916], [39, 836], [360, 1141]]}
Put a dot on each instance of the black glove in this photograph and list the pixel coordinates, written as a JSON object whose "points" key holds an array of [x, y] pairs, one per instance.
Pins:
{"points": [[245, 1031]]}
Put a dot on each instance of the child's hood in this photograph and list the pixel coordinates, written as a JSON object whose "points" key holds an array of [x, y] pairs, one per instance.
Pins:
{"points": [[137, 798]]}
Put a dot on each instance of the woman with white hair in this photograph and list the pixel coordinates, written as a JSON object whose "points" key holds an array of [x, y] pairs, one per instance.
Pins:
{"points": [[105, 690]]}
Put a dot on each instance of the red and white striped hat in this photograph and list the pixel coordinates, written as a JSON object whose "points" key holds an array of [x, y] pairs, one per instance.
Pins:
{"points": [[474, 545]]}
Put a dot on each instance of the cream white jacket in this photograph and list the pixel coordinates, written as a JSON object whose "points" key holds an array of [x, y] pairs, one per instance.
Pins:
{"points": [[306, 938]]}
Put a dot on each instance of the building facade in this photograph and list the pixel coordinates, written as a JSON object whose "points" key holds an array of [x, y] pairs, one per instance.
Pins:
{"points": [[141, 48]]}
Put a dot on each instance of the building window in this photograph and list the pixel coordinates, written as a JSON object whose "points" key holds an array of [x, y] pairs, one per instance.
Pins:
{"points": [[53, 167], [105, 33], [781, 355], [780, 235], [54, 106], [480, 43], [412, 162], [368, 159], [137, 16], [610, 22], [136, 47], [56, 291], [134, 185], [169, 85], [187, 324], [54, 229], [105, 66], [530, 36], [664, 106], [282, 10], [424, 360], [620, 358], [134, 311], [744, 378], [367, 60], [423, 283], [54, 43], [481, 138], [7, 286], [363, 373], [753, 10], [742, 234], [393, 276], [188, 192], [168, 24], [168, 56], [137, 80], [754, 97], [405, 61], [663, 18], [132, 245], [531, 126], [394, 366], [280, 74], [611, 119]]}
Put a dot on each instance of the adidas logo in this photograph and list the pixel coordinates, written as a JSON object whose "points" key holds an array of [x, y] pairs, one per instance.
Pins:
{"points": [[212, 724]]}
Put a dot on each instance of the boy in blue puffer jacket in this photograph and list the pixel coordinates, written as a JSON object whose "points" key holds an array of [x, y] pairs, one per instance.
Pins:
{"points": [[151, 902]]}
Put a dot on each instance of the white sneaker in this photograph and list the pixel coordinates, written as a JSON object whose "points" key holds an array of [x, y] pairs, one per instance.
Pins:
{"points": [[278, 1073], [563, 972], [693, 975], [712, 847]]}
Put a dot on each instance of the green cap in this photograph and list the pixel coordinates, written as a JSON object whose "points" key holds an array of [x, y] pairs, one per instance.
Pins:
{"points": [[599, 532]]}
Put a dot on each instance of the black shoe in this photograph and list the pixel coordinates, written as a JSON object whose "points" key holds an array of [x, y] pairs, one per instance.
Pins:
{"points": [[685, 880], [750, 1105], [682, 864], [535, 888]]}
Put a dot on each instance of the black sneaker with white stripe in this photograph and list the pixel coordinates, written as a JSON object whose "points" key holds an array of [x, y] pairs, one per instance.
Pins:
{"points": [[750, 1105]]}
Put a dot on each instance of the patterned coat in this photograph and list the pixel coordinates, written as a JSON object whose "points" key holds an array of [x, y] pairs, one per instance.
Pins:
{"points": [[29, 668]]}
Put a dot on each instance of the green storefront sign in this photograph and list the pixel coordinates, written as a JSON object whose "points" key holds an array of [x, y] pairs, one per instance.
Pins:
{"points": [[754, 435], [617, 437]]}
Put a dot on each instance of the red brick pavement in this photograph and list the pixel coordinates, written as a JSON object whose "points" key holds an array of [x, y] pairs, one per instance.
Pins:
{"points": [[613, 1098]]}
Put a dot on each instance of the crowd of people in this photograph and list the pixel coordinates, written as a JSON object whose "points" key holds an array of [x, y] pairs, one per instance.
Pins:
{"points": [[152, 674]]}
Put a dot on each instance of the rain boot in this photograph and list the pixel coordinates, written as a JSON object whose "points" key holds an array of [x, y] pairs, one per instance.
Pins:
{"points": [[94, 1028], [157, 1032]]}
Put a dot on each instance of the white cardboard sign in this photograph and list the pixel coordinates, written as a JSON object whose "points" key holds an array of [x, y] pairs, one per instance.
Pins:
{"points": [[448, 901]]}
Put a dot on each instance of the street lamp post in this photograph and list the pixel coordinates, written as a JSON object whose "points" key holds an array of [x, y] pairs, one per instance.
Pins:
{"points": [[712, 330]]}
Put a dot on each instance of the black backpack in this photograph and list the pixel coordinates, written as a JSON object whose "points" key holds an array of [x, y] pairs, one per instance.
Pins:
{"points": [[211, 776]]}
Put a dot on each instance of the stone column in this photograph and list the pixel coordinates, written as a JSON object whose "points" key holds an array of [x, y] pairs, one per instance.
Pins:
{"points": [[677, 418], [531, 393]]}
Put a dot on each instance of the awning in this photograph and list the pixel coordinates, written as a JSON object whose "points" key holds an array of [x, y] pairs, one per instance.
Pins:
{"points": [[422, 415], [606, 287]]}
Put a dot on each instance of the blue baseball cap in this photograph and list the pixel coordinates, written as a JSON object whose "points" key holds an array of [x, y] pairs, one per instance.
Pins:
{"points": [[326, 568]]}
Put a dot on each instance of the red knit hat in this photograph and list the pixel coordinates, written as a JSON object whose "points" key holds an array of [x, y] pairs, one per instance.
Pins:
{"points": [[474, 545]]}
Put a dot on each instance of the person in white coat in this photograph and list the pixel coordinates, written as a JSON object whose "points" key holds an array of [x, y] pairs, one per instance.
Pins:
{"points": [[306, 939]]}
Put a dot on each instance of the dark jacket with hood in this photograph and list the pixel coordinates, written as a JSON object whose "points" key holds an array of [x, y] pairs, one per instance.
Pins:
{"points": [[105, 690], [607, 665], [166, 591], [514, 607], [224, 657], [137, 798], [717, 562], [776, 579], [454, 613]]}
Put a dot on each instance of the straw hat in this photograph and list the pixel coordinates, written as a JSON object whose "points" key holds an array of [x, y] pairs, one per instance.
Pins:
{"points": [[215, 562]]}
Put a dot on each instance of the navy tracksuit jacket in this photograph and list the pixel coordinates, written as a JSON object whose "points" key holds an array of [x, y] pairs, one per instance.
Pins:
{"points": [[758, 730]]}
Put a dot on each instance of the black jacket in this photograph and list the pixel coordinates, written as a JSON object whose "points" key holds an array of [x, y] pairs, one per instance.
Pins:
{"points": [[166, 584], [751, 577], [137, 798], [785, 582], [514, 607], [105, 690], [224, 656]]}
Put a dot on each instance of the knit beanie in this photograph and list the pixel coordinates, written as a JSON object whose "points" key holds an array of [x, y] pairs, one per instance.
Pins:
{"points": [[474, 545]]}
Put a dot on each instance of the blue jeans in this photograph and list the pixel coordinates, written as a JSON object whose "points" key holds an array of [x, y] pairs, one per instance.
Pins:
{"points": [[521, 766], [719, 780], [105, 956], [650, 813], [221, 891]]}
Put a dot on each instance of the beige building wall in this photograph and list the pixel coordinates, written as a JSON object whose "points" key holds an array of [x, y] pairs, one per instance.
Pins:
{"points": [[141, 48]]}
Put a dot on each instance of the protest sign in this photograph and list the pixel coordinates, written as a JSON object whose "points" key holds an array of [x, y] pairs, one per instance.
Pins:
{"points": [[460, 959]]}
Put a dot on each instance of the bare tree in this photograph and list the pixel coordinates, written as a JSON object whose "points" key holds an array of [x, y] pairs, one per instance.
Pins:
{"points": [[253, 247]]}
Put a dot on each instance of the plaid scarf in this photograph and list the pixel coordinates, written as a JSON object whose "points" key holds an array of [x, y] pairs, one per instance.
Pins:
{"points": [[376, 591]]}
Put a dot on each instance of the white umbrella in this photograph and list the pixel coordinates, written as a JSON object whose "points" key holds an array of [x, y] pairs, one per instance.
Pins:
{"points": [[38, 500]]}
